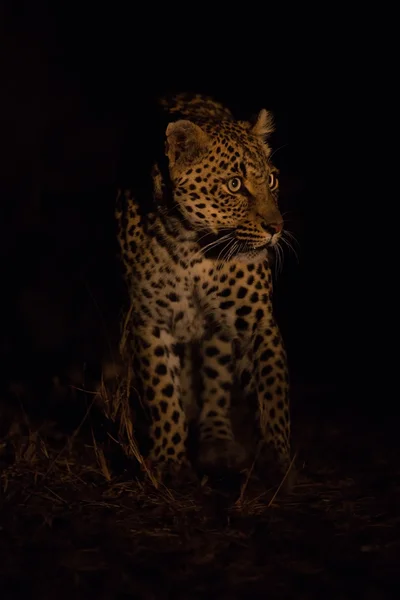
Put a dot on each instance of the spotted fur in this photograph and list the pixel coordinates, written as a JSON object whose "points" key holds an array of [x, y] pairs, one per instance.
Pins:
{"points": [[198, 273]]}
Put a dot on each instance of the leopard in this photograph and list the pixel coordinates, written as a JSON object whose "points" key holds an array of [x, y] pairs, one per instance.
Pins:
{"points": [[198, 271]]}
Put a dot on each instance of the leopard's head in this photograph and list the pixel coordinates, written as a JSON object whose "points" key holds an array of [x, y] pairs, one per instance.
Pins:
{"points": [[223, 181]]}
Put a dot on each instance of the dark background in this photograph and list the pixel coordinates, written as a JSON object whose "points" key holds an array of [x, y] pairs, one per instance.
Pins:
{"points": [[77, 90]]}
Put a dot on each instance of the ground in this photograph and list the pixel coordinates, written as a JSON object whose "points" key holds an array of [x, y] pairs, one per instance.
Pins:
{"points": [[72, 528]]}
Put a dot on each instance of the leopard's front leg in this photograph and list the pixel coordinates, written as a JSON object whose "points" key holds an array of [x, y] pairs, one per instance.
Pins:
{"points": [[272, 388], [263, 374], [218, 449], [157, 367]]}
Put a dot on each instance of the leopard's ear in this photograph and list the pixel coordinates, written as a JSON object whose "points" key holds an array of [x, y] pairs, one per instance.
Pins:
{"points": [[264, 124], [186, 142]]}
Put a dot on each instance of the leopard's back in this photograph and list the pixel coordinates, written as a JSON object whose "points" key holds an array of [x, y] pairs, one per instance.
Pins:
{"points": [[197, 107]]}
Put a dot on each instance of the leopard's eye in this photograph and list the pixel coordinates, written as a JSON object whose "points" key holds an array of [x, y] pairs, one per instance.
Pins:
{"points": [[235, 185], [273, 181]]}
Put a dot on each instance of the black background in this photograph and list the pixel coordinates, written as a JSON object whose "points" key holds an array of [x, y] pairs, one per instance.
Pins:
{"points": [[78, 84]]}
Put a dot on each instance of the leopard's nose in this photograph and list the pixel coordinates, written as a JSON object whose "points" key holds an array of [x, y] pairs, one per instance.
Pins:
{"points": [[272, 228]]}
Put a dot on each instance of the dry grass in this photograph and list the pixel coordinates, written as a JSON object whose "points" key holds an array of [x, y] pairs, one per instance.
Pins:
{"points": [[73, 525]]}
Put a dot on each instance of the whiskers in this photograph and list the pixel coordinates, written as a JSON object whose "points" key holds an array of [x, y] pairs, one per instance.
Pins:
{"points": [[290, 241], [226, 239], [287, 240], [231, 249], [278, 258], [231, 246], [277, 150]]}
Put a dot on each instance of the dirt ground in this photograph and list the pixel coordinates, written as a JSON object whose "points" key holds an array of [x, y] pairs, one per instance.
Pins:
{"points": [[72, 528]]}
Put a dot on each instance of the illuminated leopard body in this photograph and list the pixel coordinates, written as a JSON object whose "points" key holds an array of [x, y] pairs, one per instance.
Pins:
{"points": [[199, 277]]}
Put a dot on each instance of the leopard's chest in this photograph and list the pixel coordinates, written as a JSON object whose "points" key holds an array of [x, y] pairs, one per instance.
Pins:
{"points": [[188, 319]]}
